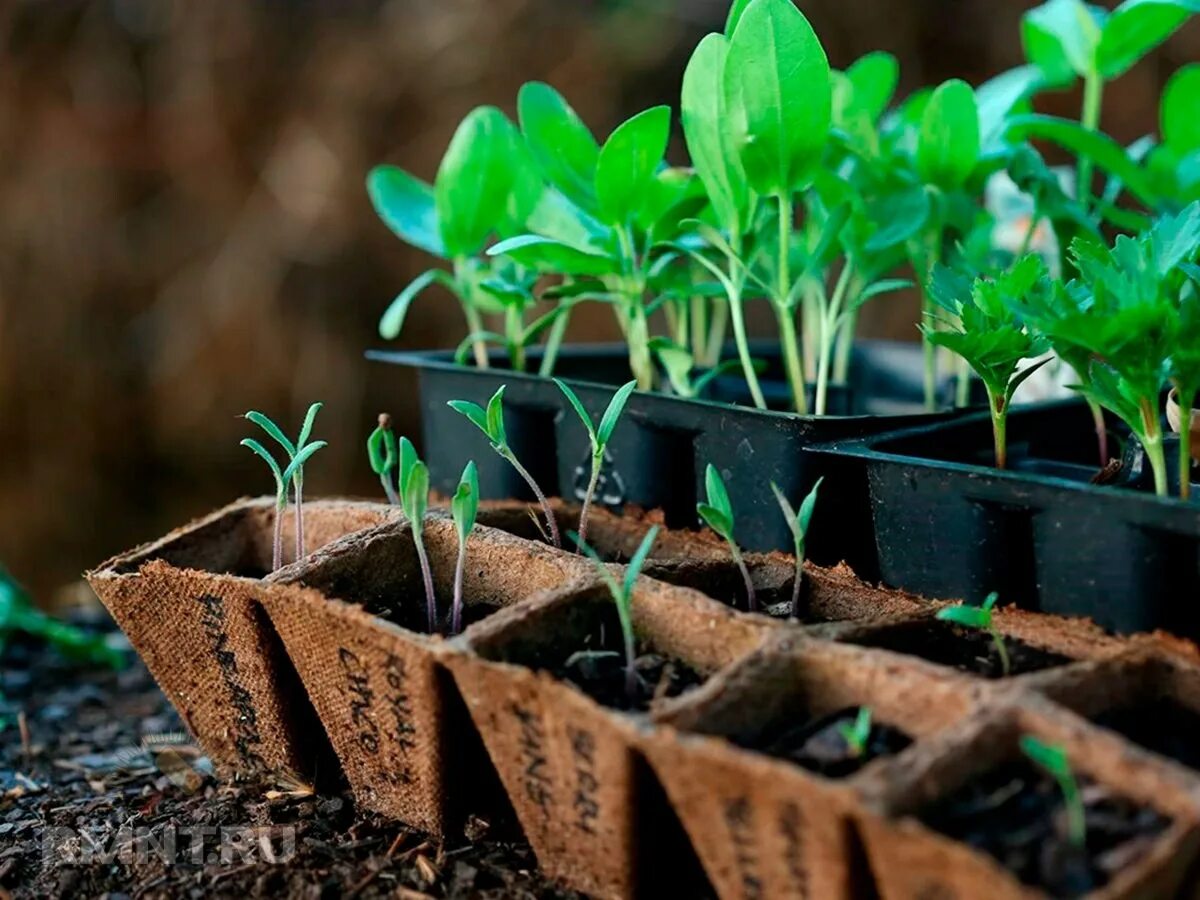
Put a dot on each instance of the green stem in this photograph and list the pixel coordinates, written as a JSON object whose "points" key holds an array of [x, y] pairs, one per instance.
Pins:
{"points": [[551, 522], [460, 567], [641, 364], [1002, 650], [743, 348], [1093, 92], [998, 404], [791, 357], [828, 333], [718, 320], [1076, 816], [812, 306], [962, 390], [597, 464], [751, 598], [277, 537], [513, 329], [1152, 440], [553, 342], [930, 353], [845, 345], [698, 333], [1101, 430], [474, 319]]}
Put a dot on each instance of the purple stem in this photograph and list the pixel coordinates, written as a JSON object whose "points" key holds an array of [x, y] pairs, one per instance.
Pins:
{"points": [[459, 568], [385, 479], [587, 503], [751, 599], [631, 679], [299, 522], [277, 539], [796, 587], [537, 492], [430, 603]]}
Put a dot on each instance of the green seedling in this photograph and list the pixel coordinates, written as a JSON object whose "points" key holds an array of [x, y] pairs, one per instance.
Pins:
{"points": [[491, 422], [1052, 758], [679, 364], [858, 735], [798, 521], [717, 514], [599, 437], [982, 618], [298, 454], [383, 455], [463, 507], [622, 595], [414, 500], [1184, 366]]}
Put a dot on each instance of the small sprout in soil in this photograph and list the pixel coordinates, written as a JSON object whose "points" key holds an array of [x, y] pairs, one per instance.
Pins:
{"points": [[491, 423], [599, 437], [1053, 759], [298, 454], [980, 617], [798, 522], [381, 450], [717, 514], [463, 506], [414, 498], [622, 594], [857, 735]]}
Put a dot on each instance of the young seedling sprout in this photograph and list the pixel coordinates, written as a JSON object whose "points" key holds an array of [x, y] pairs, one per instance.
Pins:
{"points": [[491, 423], [381, 450], [858, 735], [414, 498], [463, 507], [798, 522], [980, 617], [1053, 759], [599, 437], [717, 514], [298, 454], [622, 594]]}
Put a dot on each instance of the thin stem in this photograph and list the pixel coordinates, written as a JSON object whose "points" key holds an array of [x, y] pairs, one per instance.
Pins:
{"points": [[553, 342], [828, 326], [1152, 440], [845, 345], [933, 242], [631, 678], [457, 608], [427, 574], [597, 465], [796, 583], [812, 303], [640, 361], [514, 328], [736, 315], [1005, 661], [785, 246], [698, 334], [1076, 816], [474, 319], [385, 478], [751, 598], [718, 320], [791, 358], [551, 522], [277, 539], [1101, 430], [1093, 92], [1185, 451], [962, 393], [299, 520], [998, 404]]}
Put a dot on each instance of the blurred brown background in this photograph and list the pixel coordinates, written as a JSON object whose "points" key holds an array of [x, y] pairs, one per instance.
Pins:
{"points": [[185, 233]]}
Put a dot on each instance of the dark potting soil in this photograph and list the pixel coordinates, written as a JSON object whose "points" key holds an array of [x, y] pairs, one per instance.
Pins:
{"points": [[1160, 725], [960, 648], [411, 614], [1015, 813], [599, 672], [818, 745]]}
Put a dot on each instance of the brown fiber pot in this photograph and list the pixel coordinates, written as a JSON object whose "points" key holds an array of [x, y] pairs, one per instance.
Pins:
{"points": [[764, 826], [357, 636], [913, 862], [584, 795], [188, 603]]}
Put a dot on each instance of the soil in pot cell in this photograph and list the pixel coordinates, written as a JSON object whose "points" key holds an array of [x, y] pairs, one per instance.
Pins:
{"points": [[821, 745]]}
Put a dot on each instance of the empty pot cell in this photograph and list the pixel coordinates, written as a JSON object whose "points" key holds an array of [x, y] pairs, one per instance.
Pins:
{"points": [[975, 816], [545, 686], [188, 603], [358, 636], [763, 776]]}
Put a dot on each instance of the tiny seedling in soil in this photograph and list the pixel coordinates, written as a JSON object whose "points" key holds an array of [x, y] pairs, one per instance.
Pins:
{"points": [[599, 437], [857, 735], [463, 507], [980, 617], [1053, 759], [384, 457], [798, 522], [414, 499], [298, 454], [491, 423], [717, 514]]}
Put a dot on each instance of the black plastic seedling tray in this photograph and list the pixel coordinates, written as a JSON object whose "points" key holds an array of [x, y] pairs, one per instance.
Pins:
{"points": [[659, 453], [948, 524]]}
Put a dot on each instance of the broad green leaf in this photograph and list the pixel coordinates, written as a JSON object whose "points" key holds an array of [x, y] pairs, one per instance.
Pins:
{"points": [[465, 503], [275, 432], [873, 78], [736, 10], [548, 255], [1181, 110], [634, 568], [1061, 37], [406, 205], [561, 143], [408, 459], [807, 507], [778, 74], [577, 405], [949, 143], [612, 415], [557, 217], [628, 162], [715, 519], [302, 456], [1051, 757], [475, 180], [998, 97], [495, 418], [897, 216], [474, 413], [967, 616], [718, 496], [1135, 28], [416, 492], [309, 419]]}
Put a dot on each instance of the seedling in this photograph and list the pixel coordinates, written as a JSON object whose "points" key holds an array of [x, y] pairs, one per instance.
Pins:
{"points": [[491, 423], [679, 364], [717, 514], [382, 453], [858, 735], [1185, 375], [599, 437], [414, 500], [980, 617], [463, 507], [298, 454], [798, 522], [622, 594], [1052, 758]]}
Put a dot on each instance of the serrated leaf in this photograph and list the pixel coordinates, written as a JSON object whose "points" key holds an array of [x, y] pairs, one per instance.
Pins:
{"points": [[548, 255], [561, 143], [949, 143], [464, 505], [406, 206], [612, 415], [627, 164]]}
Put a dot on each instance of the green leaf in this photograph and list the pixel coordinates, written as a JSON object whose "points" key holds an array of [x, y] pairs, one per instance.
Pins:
{"points": [[873, 78], [638, 560], [778, 75], [1135, 28], [465, 503], [736, 10], [474, 413], [718, 496], [306, 429], [628, 162], [463, 351], [548, 255], [416, 492], [857, 735], [878, 289], [949, 143], [998, 97], [406, 205], [408, 460], [966, 616], [273, 430], [575, 402], [897, 216], [296, 466], [260, 450], [561, 143], [716, 520], [789, 516], [1061, 37], [1051, 757], [608, 422], [1181, 110], [381, 450], [495, 418], [807, 507], [990, 603]]}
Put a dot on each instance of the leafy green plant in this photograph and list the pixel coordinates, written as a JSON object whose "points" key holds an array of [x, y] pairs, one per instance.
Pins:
{"points": [[383, 456], [982, 618], [717, 514], [491, 422], [622, 595], [857, 735], [1052, 758], [463, 507], [679, 364], [1184, 366], [414, 500], [798, 522], [298, 454], [599, 437]]}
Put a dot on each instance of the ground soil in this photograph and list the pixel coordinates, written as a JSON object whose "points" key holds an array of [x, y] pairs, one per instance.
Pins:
{"points": [[94, 749], [599, 672], [818, 744]]}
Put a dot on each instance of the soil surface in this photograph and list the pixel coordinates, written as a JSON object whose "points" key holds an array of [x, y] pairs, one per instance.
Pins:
{"points": [[819, 745], [1160, 725], [1016, 814], [600, 673], [103, 753], [960, 648]]}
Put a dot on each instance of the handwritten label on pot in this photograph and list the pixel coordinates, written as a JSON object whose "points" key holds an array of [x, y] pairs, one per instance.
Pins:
{"points": [[791, 826], [610, 487], [585, 802], [396, 703], [535, 776], [246, 734], [741, 838]]}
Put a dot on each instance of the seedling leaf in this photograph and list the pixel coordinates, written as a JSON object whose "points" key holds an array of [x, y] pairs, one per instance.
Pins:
{"points": [[716, 519], [392, 320], [495, 418], [573, 399], [718, 496], [464, 505], [301, 458], [474, 413], [273, 430], [548, 255], [966, 616], [306, 429], [261, 451], [857, 735], [406, 206], [608, 422], [949, 144], [561, 143], [627, 163], [638, 560]]}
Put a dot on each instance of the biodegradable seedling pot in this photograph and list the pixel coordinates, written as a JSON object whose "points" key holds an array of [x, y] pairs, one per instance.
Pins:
{"points": [[189, 605], [358, 637], [762, 824], [915, 853], [583, 794]]}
